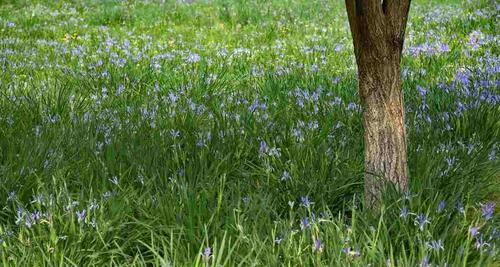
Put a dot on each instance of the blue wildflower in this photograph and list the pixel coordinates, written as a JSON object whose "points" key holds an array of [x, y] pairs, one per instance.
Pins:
{"points": [[404, 212], [421, 220], [435, 244], [306, 202], [318, 246], [408, 195], [425, 261], [115, 180], [175, 133], [207, 253], [480, 243], [81, 215], [304, 223], [246, 199], [473, 231], [36, 215], [193, 58], [460, 207], [350, 252], [285, 176], [29, 221], [487, 210], [443, 47], [120, 90], [441, 206], [421, 90], [263, 147]]}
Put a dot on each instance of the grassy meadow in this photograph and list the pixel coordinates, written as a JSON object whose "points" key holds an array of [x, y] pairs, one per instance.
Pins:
{"points": [[229, 133]]}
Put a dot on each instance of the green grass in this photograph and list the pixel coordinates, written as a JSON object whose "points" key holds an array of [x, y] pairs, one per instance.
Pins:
{"points": [[138, 133]]}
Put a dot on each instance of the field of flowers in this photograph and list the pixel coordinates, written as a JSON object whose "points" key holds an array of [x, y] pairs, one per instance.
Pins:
{"points": [[229, 133]]}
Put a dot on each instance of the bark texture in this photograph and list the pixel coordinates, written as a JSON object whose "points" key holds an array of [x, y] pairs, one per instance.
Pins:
{"points": [[378, 29]]}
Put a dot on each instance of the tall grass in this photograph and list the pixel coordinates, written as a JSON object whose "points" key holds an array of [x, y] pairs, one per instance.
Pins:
{"points": [[228, 133]]}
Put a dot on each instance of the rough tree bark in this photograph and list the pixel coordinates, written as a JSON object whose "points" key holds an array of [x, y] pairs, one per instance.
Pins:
{"points": [[378, 30]]}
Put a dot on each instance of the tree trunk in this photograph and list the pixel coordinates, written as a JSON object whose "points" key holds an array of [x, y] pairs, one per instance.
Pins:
{"points": [[385, 137], [378, 29]]}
